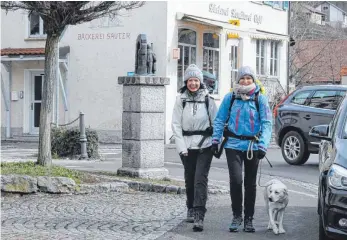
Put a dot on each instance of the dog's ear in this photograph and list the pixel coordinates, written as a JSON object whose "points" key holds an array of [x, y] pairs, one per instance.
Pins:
{"points": [[285, 190]]}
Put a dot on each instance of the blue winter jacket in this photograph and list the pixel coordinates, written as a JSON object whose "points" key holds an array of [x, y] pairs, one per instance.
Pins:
{"points": [[244, 120]]}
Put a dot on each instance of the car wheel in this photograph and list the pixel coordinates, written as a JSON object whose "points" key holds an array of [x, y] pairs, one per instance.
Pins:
{"points": [[294, 149], [322, 235]]}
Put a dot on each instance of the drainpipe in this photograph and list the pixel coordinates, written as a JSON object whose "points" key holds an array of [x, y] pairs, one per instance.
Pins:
{"points": [[288, 65]]}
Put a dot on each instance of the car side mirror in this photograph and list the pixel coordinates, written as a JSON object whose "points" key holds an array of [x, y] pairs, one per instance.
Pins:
{"points": [[320, 132]]}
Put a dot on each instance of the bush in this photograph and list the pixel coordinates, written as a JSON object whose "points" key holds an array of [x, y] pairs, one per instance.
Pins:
{"points": [[65, 142]]}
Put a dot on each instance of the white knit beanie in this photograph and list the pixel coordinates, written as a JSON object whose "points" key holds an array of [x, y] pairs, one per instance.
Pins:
{"points": [[193, 72]]}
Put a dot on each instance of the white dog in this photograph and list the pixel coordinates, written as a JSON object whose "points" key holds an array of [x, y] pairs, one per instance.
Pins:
{"points": [[276, 200]]}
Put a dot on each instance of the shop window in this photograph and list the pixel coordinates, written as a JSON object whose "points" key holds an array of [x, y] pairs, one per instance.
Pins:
{"points": [[274, 58], [277, 4], [211, 56], [234, 64], [36, 26], [260, 57], [187, 45]]}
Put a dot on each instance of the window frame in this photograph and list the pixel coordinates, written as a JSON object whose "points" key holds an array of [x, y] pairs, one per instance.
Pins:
{"points": [[41, 34], [217, 88], [234, 51], [311, 92], [274, 60], [179, 82], [259, 57], [322, 90]]}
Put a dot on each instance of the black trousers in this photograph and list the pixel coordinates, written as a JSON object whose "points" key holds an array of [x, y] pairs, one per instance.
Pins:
{"points": [[196, 169], [235, 160]]}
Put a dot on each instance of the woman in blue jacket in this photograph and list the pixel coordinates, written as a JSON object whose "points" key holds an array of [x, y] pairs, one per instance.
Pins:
{"points": [[248, 133]]}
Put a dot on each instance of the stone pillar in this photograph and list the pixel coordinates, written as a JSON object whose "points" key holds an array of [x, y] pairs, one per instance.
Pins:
{"points": [[143, 126]]}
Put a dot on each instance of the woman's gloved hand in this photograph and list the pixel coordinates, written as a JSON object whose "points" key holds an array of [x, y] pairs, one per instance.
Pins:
{"points": [[261, 154], [214, 148]]}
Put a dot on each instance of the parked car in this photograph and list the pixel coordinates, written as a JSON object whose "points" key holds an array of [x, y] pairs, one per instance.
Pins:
{"points": [[332, 193], [297, 113]]}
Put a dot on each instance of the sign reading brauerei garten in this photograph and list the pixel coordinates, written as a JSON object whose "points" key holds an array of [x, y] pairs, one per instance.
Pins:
{"points": [[233, 13]]}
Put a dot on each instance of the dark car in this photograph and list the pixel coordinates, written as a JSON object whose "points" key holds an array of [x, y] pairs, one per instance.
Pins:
{"points": [[296, 114], [332, 193]]}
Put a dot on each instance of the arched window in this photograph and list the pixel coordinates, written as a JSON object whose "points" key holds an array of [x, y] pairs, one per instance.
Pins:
{"points": [[211, 56], [187, 45]]}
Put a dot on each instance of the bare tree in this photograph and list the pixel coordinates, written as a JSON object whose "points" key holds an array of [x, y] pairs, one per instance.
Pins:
{"points": [[56, 16], [313, 38]]}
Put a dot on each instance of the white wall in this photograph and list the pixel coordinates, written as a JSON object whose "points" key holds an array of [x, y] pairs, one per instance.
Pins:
{"points": [[96, 64], [14, 31], [335, 14]]}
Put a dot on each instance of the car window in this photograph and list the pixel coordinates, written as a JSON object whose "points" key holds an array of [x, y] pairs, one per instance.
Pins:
{"points": [[345, 130], [333, 123], [301, 97], [339, 97], [323, 99]]}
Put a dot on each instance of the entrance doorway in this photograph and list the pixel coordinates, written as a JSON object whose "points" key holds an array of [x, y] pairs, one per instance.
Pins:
{"points": [[36, 83]]}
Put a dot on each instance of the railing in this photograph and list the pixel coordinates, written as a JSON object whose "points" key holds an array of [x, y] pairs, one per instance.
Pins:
{"points": [[83, 137]]}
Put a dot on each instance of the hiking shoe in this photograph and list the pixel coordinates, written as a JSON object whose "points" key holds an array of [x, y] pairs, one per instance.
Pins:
{"points": [[198, 222], [235, 224], [190, 215], [248, 225]]}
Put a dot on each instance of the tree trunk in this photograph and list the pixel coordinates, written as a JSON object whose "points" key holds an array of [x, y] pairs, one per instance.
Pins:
{"points": [[51, 62]]}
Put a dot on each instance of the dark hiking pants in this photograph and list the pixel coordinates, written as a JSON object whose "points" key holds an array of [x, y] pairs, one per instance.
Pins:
{"points": [[235, 160], [196, 168]]}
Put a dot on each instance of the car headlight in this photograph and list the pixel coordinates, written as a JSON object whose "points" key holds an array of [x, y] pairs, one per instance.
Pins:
{"points": [[337, 177]]}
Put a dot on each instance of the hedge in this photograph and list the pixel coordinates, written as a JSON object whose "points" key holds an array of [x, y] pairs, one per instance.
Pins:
{"points": [[65, 142]]}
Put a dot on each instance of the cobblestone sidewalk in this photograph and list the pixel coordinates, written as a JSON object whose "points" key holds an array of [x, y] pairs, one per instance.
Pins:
{"points": [[134, 215]]}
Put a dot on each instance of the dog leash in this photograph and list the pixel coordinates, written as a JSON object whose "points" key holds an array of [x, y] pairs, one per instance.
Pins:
{"points": [[260, 163]]}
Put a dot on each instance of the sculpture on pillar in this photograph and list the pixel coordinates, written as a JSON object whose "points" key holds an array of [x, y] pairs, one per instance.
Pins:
{"points": [[151, 60], [145, 58], [141, 55]]}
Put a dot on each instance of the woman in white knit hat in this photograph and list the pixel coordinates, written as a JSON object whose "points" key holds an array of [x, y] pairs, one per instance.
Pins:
{"points": [[192, 121]]}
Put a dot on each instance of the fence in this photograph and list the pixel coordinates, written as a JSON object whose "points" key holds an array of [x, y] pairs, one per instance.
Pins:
{"points": [[83, 137]]}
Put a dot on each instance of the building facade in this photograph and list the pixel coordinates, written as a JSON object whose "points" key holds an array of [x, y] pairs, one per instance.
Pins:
{"points": [[217, 36]]}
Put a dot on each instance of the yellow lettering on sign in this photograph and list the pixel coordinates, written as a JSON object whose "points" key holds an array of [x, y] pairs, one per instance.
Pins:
{"points": [[235, 22]]}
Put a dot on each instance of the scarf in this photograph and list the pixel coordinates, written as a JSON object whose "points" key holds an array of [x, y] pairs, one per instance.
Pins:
{"points": [[244, 91]]}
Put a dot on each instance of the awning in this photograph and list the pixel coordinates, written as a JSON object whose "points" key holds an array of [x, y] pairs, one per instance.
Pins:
{"points": [[204, 21], [252, 33], [29, 54]]}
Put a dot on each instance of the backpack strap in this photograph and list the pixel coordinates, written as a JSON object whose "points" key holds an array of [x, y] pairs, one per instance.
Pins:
{"points": [[184, 102], [207, 103], [257, 101], [231, 105]]}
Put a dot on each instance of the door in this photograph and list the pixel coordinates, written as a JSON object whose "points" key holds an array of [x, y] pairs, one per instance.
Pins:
{"points": [[36, 99]]}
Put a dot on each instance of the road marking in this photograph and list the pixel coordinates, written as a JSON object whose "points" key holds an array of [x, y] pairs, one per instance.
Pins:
{"points": [[302, 193]]}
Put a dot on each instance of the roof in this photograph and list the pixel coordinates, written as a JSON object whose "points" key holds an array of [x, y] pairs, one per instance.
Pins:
{"points": [[320, 60], [320, 3], [22, 51], [343, 71], [312, 9]]}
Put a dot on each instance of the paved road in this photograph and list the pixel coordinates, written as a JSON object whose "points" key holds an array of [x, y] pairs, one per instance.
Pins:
{"points": [[111, 154], [121, 216]]}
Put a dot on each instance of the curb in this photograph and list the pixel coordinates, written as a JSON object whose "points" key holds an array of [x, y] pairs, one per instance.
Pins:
{"points": [[110, 185], [160, 188]]}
